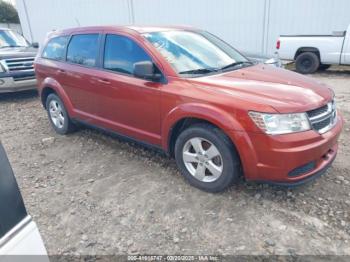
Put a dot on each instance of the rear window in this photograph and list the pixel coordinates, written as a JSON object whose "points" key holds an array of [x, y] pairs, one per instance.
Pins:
{"points": [[55, 48], [83, 49]]}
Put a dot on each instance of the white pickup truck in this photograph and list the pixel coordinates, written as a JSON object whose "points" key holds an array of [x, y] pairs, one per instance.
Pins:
{"points": [[315, 52]]}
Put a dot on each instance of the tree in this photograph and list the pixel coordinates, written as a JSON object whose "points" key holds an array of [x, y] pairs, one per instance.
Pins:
{"points": [[8, 13]]}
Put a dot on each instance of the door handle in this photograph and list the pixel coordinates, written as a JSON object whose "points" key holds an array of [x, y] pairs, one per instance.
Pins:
{"points": [[103, 81], [61, 71]]}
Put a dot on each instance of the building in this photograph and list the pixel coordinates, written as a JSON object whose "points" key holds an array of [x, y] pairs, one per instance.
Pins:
{"points": [[249, 25]]}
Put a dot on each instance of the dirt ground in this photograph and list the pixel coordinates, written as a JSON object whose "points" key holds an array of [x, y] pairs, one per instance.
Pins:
{"points": [[93, 194]]}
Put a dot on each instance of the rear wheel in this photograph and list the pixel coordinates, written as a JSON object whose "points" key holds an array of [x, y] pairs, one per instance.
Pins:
{"points": [[207, 158], [58, 115], [307, 63]]}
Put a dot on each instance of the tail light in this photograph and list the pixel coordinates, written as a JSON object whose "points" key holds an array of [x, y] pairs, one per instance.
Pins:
{"points": [[278, 44]]}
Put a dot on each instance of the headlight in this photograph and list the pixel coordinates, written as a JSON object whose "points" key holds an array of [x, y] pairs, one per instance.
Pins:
{"points": [[277, 124], [273, 61]]}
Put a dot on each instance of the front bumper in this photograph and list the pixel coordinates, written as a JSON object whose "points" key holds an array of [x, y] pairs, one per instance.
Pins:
{"points": [[287, 159], [9, 84], [304, 180]]}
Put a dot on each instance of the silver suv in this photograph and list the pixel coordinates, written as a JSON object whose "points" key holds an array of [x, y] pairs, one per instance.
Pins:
{"points": [[16, 62]]}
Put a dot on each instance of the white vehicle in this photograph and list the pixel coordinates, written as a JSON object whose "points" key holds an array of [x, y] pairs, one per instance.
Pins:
{"points": [[268, 60], [313, 52], [19, 235]]}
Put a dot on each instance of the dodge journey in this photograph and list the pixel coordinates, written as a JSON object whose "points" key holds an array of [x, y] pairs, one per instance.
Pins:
{"points": [[190, 94]]}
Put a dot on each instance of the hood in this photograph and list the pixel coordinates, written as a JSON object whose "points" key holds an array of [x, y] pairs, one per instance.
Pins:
{"points": [[284, 90], [17, 52]]}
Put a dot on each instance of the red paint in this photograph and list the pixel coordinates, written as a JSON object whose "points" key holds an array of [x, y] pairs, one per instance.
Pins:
{"points": [[147, 111]]}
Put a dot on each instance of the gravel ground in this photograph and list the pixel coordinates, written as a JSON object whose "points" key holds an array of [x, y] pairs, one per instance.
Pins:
{"points": [[93, 194]]}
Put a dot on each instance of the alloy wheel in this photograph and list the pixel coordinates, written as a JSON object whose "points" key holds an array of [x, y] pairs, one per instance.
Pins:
{"points": [[202, 159], [56, 114]]}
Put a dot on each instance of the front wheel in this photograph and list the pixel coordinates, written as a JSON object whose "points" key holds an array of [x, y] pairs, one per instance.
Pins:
{"points": [[207, 158]]}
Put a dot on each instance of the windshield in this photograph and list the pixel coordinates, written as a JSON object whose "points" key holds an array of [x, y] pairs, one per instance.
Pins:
{"points": [[10, 38], [196, 53]]}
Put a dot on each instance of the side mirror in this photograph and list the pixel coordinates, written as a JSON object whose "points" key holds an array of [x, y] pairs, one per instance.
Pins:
{"points": [[35, 45], [146, 70]]}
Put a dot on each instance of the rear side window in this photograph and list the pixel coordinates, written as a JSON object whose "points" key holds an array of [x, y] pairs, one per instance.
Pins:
{"points": [[121, 53], [83, 49], [55, 48]]}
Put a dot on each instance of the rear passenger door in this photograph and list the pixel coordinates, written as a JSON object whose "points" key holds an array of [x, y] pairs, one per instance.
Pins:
{"points": [[128, 105], [79, 73]]}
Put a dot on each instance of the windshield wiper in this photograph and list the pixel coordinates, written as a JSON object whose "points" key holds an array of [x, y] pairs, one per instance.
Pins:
{"points": [[5, 46], [241, 63], [199, 71], [211, 70]]}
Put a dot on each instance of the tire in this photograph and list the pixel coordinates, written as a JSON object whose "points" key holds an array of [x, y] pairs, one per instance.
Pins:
{"points": [[323, 67], [58, 115], [307, 63], [227, 161]]}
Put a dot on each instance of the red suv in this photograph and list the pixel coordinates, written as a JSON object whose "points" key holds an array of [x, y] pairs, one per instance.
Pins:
{"points": [[187, 92]]}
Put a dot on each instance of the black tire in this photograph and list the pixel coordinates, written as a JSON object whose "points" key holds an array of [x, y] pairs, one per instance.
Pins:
{"points": [[323, 67], [307, 63], [230, 159], [67, 125]]}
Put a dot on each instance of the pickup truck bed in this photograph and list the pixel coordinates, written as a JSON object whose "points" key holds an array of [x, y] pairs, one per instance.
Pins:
{"points": [[313, 52]]}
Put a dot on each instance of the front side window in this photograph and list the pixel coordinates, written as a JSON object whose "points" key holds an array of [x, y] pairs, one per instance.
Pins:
{"points": [[55, 48], [190, 52], [83, 49], [121, 53]]}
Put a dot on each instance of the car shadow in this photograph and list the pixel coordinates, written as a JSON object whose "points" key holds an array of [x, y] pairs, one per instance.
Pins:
{"points": [[146, 153], [334, 72], [16, 96]]}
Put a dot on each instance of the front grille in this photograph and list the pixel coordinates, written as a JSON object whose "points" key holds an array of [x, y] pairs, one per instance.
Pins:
{"points": [[322, 124], [323, 118], [19, 64], [317, 111], [22, 78]]}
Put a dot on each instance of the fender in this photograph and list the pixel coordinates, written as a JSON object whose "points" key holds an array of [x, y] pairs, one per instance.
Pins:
{"points": [[53, 84], [210, 113], [307, 49]]}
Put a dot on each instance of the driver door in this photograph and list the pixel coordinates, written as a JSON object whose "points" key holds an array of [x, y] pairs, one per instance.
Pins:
{"points": [[128, 105]]}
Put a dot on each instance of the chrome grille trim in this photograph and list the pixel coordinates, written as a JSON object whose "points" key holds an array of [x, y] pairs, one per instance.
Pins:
{"points": [[325, 120], [19, 64]]}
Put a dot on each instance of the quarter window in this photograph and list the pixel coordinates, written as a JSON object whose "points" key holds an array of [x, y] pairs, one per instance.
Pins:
{"points": [[121, 53], [55, 48], [83, 49]]}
